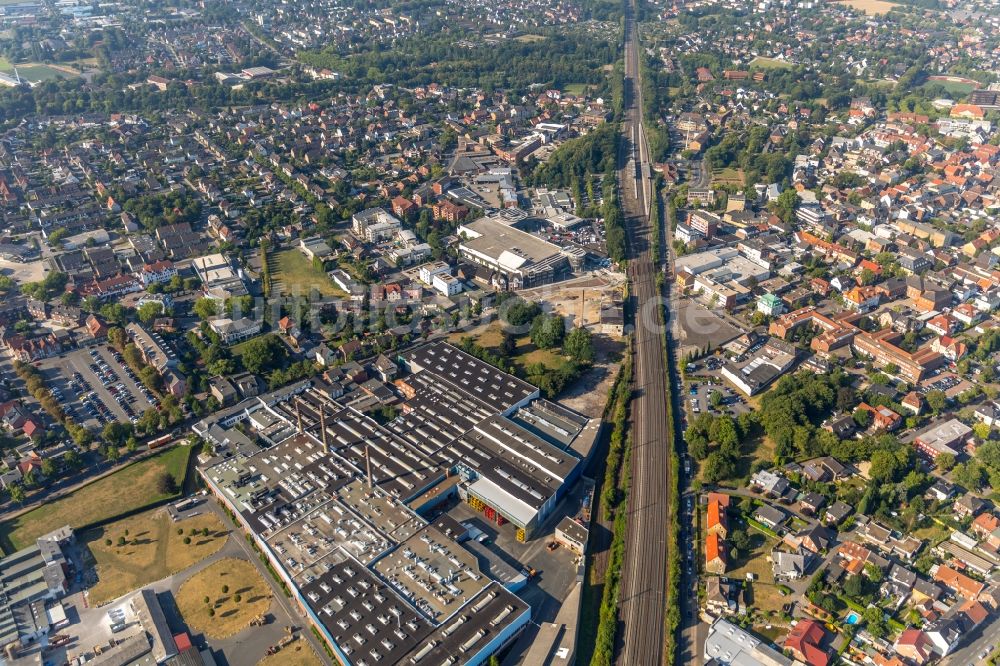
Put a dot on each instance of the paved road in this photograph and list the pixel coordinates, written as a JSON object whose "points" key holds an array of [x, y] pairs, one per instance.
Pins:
{"points": [[644, 580]]}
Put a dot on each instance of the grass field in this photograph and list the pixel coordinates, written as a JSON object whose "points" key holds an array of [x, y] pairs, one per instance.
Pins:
{"points": [[153, 550], [526, 353], [955, 88], [131, 487], [755, 561], [38, 73], [574, 88], [530, 39], [230, 616], [870, 7], [294, 274], [760, 62], [727, 176], [296, 653]]}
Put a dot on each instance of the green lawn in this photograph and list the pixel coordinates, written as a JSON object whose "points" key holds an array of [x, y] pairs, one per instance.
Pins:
{"points": [[298, 276], [574, 88], [35, 73], [760, 62], [955, 88], [130, 488], [727, 176]]}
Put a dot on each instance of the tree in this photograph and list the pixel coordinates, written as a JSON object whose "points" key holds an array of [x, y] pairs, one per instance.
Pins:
{"points": [[48, 468], [547, 331], [149, 311], [715, 399], [206, 308], [862, 418], [945, 462], [117, 337], [969, 475], [982, 431], [884, 467], [579, 345], [114, 313], [936, 400], [263, 353], [16, 491], [165, 483], [718, 467], [854, 587], [508, 345]]}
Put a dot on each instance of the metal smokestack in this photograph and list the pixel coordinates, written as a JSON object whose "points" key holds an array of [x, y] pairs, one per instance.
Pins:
{"points": [[322, 427], [368, 464]]}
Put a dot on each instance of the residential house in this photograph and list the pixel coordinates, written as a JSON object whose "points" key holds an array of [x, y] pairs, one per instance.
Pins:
{"points": [[716, 560]]}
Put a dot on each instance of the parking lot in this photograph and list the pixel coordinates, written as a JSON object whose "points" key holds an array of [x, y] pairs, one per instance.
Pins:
{"points": [[95, 386], [698, 397]]}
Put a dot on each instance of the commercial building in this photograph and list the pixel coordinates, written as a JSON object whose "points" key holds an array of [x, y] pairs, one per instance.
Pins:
{"points": [[512, 259], [30, 578], [945, 437], [218, 277], [729, 645], [336, 500], [770, 362]]}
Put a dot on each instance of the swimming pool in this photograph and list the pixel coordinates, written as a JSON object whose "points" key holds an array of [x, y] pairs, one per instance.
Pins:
{"points": [[852, 618]]}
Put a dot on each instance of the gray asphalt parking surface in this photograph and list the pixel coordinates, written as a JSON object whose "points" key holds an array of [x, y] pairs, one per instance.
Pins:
{"points": [[60, 374]]}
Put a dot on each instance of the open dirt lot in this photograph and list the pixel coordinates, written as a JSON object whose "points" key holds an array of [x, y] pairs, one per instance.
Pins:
{"points": [[223, 615], [579, 300], [296, 653], [33, 271], [154, 548]]}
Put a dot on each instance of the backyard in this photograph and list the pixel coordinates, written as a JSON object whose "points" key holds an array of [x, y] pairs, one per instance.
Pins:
{"points": [[222, 599], [130, 488], [147, 547]]}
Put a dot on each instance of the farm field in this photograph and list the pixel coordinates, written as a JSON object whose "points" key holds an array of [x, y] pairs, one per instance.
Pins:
{"points": [[236, 595], [130, 488], [292, 273], [871, 7], [153, 549]]}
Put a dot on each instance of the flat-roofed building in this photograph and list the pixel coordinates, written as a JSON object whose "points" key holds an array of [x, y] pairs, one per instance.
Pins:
{"points": [[515, 259], [944, 437]]}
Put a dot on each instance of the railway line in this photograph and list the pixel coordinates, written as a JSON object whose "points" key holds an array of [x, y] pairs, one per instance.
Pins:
{"points": [[642, 608]]}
